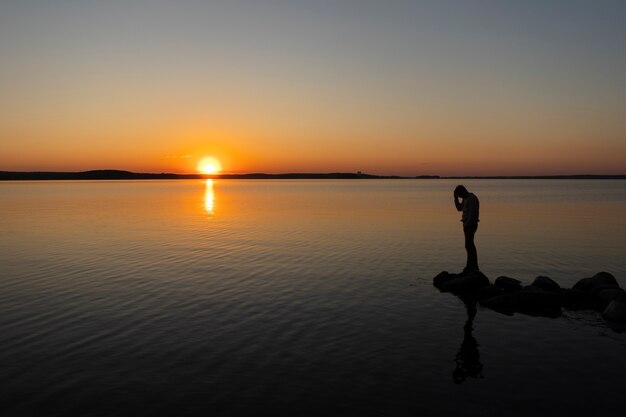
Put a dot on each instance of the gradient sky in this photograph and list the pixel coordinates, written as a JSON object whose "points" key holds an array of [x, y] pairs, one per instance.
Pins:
{"points": [[393, 87]]}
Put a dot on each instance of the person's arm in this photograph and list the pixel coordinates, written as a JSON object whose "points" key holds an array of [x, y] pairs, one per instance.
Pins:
{"points": [[458, 204]]}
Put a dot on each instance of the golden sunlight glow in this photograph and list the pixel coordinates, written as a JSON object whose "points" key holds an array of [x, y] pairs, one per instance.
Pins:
{"points": [[209, 165], [209, 169], [209, 199]]}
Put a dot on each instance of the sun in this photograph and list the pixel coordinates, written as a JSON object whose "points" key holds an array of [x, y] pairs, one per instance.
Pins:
{"points": [[209, 165], [209, 169]]}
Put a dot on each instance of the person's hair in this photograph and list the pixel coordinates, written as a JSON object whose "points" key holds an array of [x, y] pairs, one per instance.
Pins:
{"points": [[460, 190]]}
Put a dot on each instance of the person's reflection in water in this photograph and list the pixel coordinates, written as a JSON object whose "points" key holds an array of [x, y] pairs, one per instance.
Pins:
{"points": [[468, 358]]}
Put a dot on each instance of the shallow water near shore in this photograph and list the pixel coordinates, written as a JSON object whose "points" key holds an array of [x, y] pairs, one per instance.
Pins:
{"points": [[289, 297]]}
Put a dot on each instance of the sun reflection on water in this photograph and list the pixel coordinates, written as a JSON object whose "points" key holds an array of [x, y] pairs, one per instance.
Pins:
{"points": [[209, 199]]}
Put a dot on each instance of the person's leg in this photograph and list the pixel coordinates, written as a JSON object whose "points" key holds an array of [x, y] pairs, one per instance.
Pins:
{"points": [[470, 247]]}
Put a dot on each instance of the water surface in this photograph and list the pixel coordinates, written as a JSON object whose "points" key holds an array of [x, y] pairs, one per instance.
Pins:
{"points": [[299, 298]]}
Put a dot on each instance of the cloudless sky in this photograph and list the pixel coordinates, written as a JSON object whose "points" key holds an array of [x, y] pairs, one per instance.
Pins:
{"points": [[386, 87]]}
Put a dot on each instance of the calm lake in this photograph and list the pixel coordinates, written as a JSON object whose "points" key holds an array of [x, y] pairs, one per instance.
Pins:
{"points": [[300, 298]]}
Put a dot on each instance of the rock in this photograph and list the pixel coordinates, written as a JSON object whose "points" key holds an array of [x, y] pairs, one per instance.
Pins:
{"points": [[508, 284], [615, 311], [595, 292], [605, 297], [546, 283], [504, 303], [465, 283], [601, 279], [458, 283], [536, 301], [487, 291], [531, 300], [605, 278], [544, 297], [442, 278], [576, 300], [597, 302], [584, 285]]}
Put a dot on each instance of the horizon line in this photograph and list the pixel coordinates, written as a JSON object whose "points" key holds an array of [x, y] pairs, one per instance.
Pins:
{"points": [[125, 174]]}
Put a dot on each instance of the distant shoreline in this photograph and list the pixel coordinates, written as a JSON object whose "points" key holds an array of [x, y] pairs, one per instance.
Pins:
{"points": [[127, 175]]}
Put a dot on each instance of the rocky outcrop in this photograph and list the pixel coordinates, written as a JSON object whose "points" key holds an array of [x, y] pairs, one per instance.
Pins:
{"points": [[544, 297], [530, 300], [547, 284], [601, 279], [508, 284], [460, 283]]}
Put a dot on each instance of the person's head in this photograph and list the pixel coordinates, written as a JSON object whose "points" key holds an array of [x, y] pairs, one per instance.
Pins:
{"points": [[461, 191]]}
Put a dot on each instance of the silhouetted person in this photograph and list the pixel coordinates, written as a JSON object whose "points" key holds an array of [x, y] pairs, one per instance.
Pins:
{"points": [[469, 205], [468, 359]]}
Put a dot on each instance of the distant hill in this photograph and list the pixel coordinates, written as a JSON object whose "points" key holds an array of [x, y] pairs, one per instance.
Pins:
{"points": [[112, 174], [108, 174]]}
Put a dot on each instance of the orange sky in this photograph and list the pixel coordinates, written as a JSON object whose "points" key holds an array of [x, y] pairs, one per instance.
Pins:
{"points": [[282, 88]]}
